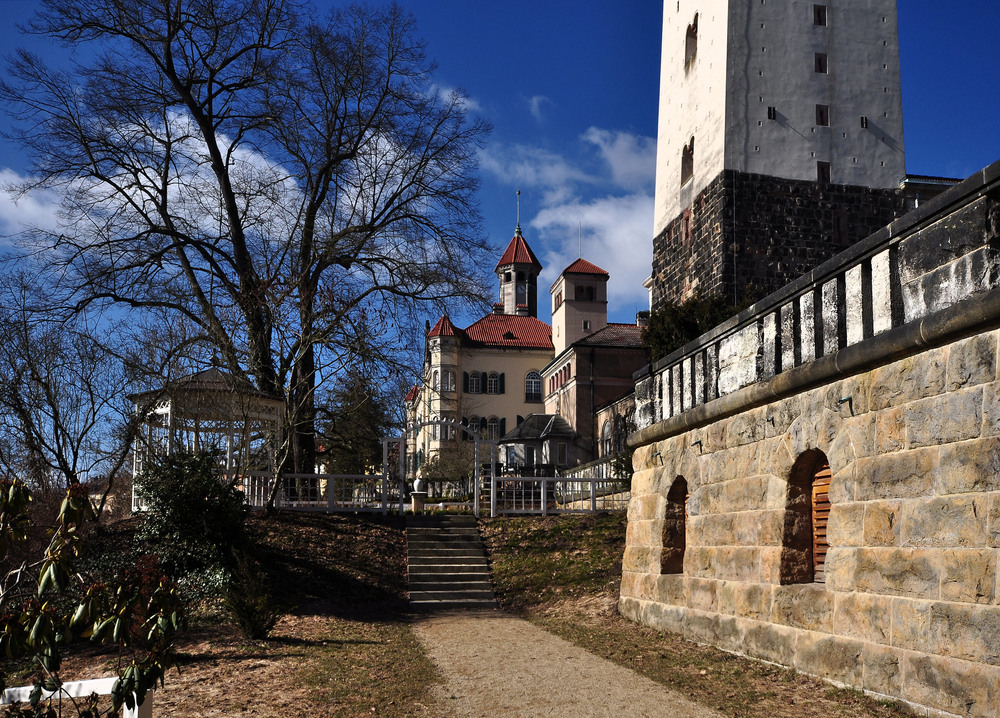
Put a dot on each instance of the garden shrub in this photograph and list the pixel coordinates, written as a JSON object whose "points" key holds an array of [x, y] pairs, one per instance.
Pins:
{"points": [[249, 600], [194, 519]]}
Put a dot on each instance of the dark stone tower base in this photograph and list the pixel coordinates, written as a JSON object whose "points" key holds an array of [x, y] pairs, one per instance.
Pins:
{"points": [[747, 235]]}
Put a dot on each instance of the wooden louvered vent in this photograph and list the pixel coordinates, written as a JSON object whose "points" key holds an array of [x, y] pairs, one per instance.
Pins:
{"points": [[820, 517]]}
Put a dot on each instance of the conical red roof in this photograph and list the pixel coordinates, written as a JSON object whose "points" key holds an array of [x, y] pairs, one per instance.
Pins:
{"points": [[444, 328], [518, 252]]}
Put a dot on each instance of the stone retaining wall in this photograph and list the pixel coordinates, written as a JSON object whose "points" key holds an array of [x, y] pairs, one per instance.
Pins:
{"points": [[911, 604], [905, 408]]}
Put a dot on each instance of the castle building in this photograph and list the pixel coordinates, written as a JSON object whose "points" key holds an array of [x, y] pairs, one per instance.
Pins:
{"points": [[486, 377], [513, 378], [780, 140], [593, 363]]}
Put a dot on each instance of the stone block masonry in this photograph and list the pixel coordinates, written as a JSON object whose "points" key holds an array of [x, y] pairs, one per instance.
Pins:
{"points": [[884, 365], [752, 234]]}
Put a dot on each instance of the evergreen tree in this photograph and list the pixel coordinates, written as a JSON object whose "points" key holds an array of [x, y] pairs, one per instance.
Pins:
{"points": [[352, 425]]}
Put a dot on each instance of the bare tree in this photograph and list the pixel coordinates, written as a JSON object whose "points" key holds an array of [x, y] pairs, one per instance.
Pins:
{"points": [[292, 190], [63, 418]]}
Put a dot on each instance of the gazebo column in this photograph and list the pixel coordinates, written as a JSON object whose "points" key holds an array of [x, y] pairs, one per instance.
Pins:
{"points": [[170, 429], [229, 450]]}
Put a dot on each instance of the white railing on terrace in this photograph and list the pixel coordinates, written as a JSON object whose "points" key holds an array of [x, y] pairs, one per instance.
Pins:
{"points": [[78, 689], [323, 492], [600, 469], [553, 495], [921, 264]]}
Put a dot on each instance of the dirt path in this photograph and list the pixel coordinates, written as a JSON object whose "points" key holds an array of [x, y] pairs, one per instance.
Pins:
{"points": [[498, 665]]}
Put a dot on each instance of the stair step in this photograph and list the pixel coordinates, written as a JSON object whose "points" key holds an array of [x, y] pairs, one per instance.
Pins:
{"points": [[439, 569], [450, 595], [443, 539], [433, 521], [456, 560], [471, 605], [451, 586]]}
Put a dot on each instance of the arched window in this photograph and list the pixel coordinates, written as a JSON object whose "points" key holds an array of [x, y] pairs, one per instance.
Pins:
{"points": [[606, 438], [533, 386], [675, 528], [474, 425], [807, 512], [448, 381], [687, 161], [493, 428], [475, 383], [691, 43], [493, 383], [435, 381]]}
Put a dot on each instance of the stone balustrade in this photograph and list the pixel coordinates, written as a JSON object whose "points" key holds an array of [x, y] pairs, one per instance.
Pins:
{"points": [[943, 254]]}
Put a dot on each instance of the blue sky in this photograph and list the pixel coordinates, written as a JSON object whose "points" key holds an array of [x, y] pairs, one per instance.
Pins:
{"points": [[571, 89]]}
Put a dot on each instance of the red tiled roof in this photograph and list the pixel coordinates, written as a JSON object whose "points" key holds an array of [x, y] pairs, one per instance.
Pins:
{"points": [[412, 394], [582, 266], [615, 335], [518, 252], [444, 328], [506, 330]]}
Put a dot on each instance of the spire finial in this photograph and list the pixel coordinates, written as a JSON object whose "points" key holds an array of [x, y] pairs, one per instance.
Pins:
{"points": [[517, 230]]}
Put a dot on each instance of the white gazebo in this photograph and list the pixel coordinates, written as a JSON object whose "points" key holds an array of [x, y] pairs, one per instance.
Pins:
{"points": [[210, 410]]}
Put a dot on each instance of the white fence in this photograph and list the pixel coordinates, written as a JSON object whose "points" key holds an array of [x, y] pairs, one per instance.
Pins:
{"points": [[323, 492], [552, 495], [79, 689]]}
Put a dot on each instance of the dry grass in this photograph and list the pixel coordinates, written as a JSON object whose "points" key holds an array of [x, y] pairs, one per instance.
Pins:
{"points": [[345, 647]]}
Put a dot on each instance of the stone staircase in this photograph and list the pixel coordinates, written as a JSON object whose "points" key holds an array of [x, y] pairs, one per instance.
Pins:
{"points": [[446, 564]]}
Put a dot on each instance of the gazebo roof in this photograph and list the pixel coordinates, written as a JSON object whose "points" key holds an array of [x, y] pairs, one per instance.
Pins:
{"points": [[210, 394], [207, 381]]}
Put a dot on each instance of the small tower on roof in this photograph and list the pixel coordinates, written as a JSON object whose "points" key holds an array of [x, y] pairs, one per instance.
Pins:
{"points": [[517, 272], [579, 303]]}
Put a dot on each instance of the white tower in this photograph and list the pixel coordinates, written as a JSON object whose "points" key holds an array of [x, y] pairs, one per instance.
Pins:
{"points": [[802, 91]]}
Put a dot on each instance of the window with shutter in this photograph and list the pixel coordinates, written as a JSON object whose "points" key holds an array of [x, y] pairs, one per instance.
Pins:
{"points": [[820, 517], [807, 511]]}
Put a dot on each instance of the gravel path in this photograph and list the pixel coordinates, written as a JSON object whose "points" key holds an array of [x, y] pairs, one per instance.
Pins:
{"points": [[497, 665]]}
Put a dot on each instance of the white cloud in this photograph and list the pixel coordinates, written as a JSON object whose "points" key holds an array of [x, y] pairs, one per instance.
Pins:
{"points": [[536, 104], [617, 235], [610, 204], [18, 212], [446, 93], [536, 168], [631, 158]]}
